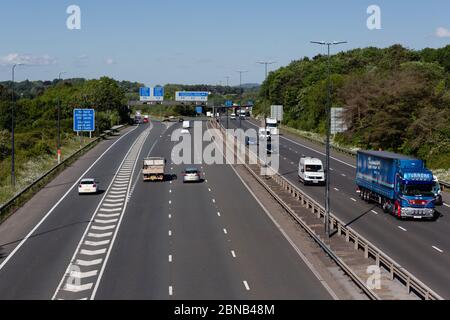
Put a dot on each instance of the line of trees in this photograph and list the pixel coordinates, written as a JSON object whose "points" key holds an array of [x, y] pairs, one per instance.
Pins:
{"points": [[395, 99]]}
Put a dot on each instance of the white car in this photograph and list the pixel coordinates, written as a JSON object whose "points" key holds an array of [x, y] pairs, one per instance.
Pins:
{"points": [[191, 175], [233, 116], [87, 186], [185, 131], [311, 171]]}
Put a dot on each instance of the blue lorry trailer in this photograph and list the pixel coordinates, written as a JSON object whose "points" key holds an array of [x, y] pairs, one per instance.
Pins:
{"points": [[402, 185]]}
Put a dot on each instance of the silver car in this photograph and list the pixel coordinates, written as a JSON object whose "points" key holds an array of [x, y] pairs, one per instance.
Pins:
{"points": [[191, 175]]}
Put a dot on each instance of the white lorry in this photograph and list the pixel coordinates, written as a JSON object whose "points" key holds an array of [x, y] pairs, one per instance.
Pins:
{"points": [[272, 125], [153, 169], [186, 124], [311, 171]]}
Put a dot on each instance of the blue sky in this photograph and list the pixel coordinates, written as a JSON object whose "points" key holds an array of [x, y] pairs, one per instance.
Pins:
{"points": [[199, 41]]}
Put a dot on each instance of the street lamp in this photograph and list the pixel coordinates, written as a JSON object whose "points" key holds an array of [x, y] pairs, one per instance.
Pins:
{"points": [[59, 121], [266, 63], [13, 177], [327, 165], [241, 92]]}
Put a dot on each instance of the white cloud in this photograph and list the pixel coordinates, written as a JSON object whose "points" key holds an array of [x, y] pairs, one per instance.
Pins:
{"points": [[442, 32], [110, 61], [27, 59]]}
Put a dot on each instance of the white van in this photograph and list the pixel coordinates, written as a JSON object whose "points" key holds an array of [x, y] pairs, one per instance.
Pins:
{"points": [[311, 171], [186, 124]]}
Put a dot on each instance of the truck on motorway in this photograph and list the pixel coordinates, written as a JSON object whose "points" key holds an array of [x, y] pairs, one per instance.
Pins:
{"points": [[402, 185], [153, 169], [272, 125]]}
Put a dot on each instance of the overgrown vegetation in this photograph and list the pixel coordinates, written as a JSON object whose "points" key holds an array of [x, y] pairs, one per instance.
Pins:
{"points": [[396, 99], [36, 110]]}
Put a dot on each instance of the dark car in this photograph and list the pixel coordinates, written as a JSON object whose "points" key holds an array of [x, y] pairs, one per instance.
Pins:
{"points": [[251, 141]]}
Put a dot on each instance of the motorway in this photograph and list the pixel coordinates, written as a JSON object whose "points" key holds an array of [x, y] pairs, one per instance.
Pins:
{"points": [[136, 240], [423, 248]]}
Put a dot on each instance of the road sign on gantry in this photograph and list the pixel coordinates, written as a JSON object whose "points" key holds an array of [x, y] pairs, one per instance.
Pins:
{"points": [[151, 94], [228, 103], [191, 96], [83, 120], [276, 112]]}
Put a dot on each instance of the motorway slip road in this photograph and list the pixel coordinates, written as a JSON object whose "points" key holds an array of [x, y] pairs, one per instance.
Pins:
{"points": [[171, 240], [422, 247]]}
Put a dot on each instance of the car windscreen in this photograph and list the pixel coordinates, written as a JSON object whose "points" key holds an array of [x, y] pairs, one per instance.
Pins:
{"points": [[313, 168], [87, 182], [191, 171]]}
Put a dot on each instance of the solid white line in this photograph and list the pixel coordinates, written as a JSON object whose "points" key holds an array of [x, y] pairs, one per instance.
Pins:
{"points": [[92, 252], [59, 201], [100, 235], [170, 291], [96, 243], [373, 211], [446, 205], [436, 248], [103, 228], [78, 288], [246, 285], [85, 263], [105, 221], [401, 228], [336, 189], [353, 199], [233, 253]]}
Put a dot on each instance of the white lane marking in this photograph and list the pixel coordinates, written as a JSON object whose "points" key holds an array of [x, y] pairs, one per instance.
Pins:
{"points": [[292, 163], [446, 205], [116, 196], [170, 291], [214, 200], [218, 213], [78, 288], [170, 201], [437, 249], [111, 205], [92, 252], [331, 169], [209, 189], [353, 199], [88, 263], [170, 182], [225, 231], [170, 191], [170, 216], [105, 221], [170, 258], [111, 210], [119, 189], [113, 200], [96, 243], [373, 211], [103, 228], [246, 285], [100, 235], [336, 189], [401, 228], [170, 233], [206, 180], [83, 275], [59, 201], [108, 215], [343, 174], [233, 253]]}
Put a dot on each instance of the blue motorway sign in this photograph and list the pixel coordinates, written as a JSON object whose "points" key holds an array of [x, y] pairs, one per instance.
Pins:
{"points": [[191, 96], [144, 92], [199, 110], [158, 92], [228, 103], [83, 120]]}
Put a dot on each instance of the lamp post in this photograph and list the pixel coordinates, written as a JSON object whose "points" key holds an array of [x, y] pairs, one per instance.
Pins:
{"points": [[241, 92], [13, 176], [266, 63], [328, 126], [59, 122]]}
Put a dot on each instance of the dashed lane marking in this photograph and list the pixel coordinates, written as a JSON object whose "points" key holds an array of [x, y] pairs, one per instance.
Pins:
{"points": [[225, 231], [437, 249], [373, 211], [247, 287], [233, 253], [353, 199], [170, 291], [401, 228], [336, 189]]}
